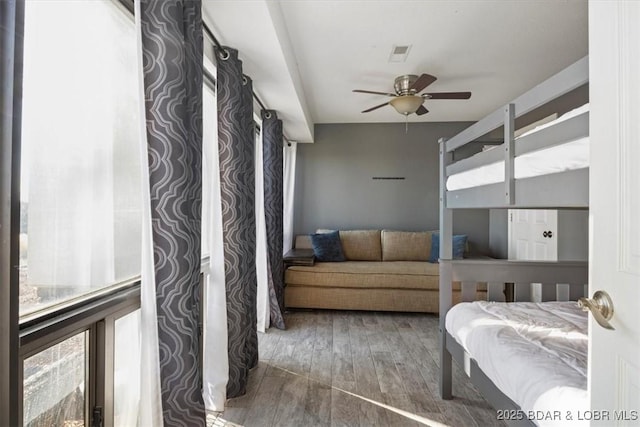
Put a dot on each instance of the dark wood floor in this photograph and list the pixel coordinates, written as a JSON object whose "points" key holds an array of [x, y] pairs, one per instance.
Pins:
{"points": [[339, 368]]}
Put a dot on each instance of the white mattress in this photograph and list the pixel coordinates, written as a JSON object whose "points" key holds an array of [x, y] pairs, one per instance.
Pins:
{"points": [[569, 156], [535, 353]]}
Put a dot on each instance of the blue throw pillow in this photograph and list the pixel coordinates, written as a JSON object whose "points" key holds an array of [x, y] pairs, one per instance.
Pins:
{"points": [[327, 247], [459, 245]]}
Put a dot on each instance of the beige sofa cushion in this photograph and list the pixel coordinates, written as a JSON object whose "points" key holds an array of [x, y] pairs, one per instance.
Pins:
{"points": [[406, 245], [366, 275], [361, 245]]}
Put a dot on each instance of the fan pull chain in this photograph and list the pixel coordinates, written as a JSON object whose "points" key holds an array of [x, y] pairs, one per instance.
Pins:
{"points": [[406, 124]]}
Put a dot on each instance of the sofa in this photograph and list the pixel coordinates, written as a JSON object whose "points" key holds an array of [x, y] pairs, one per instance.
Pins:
{"points": [[384, 270]]}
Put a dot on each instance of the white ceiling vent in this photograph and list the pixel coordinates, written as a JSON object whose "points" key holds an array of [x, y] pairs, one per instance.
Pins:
{"points": [[399, 53]]}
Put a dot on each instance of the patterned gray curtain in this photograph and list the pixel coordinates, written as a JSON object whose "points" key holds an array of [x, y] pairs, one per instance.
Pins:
{"points": [[236, 145], [172, 61], [251, 352], [273, 208]]}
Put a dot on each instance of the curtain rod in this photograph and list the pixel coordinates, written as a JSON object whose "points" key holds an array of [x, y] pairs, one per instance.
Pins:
{"points": [[129, 5], [215, 41]]}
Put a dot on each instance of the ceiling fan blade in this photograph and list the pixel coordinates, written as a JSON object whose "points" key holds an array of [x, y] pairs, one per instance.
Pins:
{"points": [[421, 110], [448, 95], [376, 107], [374, 92], [423, 81]]}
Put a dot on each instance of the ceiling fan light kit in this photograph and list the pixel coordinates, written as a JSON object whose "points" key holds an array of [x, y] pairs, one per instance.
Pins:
{"points": [[406, 104], [406, 101]]}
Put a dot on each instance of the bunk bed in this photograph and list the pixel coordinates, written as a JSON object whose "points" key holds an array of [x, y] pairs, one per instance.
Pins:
{"points": [[514, 174]]}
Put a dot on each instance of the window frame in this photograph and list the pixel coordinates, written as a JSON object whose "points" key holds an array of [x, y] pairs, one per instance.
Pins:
{"points": [[97, 316], [94, 312], [12, 28]]}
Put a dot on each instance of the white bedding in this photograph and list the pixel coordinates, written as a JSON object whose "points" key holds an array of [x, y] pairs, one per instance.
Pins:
{"points": [[569, 156], [535, 353]]}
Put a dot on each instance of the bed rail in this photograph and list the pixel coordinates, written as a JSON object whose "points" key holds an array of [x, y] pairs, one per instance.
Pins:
{"points": [[545, 191], [569, 130], [502, 270], [521, 280], [559, 84], [571, 276], [558, 278], [565, 190]]}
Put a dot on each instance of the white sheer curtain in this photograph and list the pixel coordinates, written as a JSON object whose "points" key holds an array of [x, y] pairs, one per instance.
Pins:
{"points": [[262, 254], [150, 403], [216, 362], [288, 190], [80, 212], [150, 400], [126, 368]]}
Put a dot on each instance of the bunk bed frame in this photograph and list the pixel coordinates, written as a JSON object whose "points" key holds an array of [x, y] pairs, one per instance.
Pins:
{"points": [[562, 190]]}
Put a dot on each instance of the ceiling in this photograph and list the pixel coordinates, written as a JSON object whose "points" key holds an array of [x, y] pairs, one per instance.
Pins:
{"points": [[305, 57]]}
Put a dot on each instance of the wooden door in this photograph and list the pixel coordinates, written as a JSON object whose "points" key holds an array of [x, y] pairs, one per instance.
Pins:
{"points": [[614, 355], [533, 236]]}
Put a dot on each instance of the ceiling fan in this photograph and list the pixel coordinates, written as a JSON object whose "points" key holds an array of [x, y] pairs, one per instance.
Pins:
{"points": [[406, 99]]}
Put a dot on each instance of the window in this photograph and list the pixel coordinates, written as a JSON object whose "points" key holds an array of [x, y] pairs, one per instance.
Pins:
{"points": [[54, 384], [80, 192], [80, 231]]}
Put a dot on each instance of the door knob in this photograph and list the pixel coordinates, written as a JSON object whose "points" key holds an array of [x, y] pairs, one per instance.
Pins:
{"points": [[600, 306], [548, 234]]}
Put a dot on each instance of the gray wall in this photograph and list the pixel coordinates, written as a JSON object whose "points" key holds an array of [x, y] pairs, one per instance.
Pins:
{"points": [[573, 235], [499, 233], [335, 187]]}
